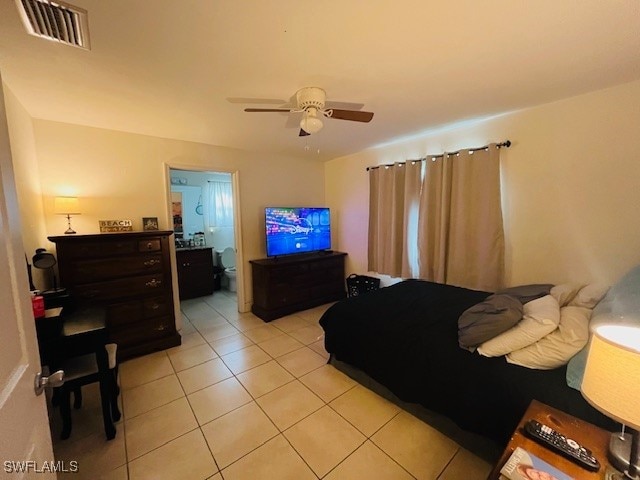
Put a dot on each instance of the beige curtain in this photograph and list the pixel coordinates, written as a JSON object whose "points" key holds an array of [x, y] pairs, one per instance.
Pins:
{"points": [[440, 220], [460, 230], [433, 220], [412, 188], [386, 209], [393, 207]]}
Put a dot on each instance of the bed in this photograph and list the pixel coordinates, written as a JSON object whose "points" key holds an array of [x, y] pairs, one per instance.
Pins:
{"points": [[405, 337]]}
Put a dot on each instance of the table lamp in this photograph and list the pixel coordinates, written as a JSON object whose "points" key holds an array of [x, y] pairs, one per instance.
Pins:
{"points": [[67, 206], [611, 384]]}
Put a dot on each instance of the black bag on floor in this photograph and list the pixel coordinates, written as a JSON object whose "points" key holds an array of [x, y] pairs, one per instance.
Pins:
{"points": [[359, 284]]}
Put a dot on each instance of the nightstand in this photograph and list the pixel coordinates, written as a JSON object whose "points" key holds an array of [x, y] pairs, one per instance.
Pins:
{"points": [[594, 438]]}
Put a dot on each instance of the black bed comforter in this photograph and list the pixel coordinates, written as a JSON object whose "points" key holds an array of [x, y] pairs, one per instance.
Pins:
{"points": [[405, 337]]}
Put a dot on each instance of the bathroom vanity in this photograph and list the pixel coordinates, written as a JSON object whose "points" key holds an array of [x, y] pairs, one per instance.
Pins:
{"points": [[195, 271]]}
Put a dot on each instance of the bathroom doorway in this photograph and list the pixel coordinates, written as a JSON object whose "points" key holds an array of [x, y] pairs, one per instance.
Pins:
{"points": [[204, 211]]}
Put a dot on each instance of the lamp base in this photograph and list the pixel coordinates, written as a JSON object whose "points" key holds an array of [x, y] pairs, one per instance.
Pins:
{"points": [[614, 475], [620, 452], [69, 229]]}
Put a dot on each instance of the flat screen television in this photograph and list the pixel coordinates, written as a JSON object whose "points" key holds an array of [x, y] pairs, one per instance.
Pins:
{"points": [[292, 230]]}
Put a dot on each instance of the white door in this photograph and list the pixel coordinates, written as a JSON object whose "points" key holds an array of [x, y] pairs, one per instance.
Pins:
{"points": [[25, 439]]}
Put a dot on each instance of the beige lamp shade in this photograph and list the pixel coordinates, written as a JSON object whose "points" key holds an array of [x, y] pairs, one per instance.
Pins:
{"points": [[611, 380], [67, 206]]}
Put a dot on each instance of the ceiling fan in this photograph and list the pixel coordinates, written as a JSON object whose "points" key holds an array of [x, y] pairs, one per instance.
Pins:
{"points": [[310, 101]]}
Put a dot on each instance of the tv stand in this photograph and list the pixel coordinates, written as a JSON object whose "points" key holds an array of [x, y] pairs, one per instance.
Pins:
{"points": [[289, 284]]}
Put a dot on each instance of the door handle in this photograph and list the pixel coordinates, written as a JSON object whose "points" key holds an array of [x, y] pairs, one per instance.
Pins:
{"points": [[56, 379]]}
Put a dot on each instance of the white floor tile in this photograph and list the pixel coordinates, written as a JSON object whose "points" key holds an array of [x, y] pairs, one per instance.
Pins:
{"points": [[237, 433], [324, 439], [218, 399], [276, 459], [264, 378], [150, 395], [203, 375], [153, 429], [185, 457]]}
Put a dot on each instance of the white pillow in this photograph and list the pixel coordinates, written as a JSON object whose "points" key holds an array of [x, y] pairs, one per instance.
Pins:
{"points": [[540, 317], [557, 348], [565, 292], [589, 296]]}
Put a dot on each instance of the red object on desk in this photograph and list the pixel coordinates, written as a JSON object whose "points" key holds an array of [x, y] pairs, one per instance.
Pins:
{"points": [[37, 302]]}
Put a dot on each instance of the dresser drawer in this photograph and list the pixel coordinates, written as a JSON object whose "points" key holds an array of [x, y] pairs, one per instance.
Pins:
{"points": [[157, 306], [101, 249], [286, 272], [92, 270], [121, 288], [142, 331], [124, 313], [150, 245]]}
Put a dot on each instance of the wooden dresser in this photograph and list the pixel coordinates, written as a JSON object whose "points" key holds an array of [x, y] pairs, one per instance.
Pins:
{"points": [[284, 285], [130, 274]]}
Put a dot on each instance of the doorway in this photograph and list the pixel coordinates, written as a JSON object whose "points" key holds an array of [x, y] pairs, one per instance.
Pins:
{"points": [[204, 212]]}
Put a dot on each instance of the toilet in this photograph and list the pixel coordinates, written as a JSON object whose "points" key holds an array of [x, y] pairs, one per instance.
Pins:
{"points": [[228, 260]]}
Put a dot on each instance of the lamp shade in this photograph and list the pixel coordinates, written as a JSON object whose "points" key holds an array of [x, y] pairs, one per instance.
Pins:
{"points": [[67, 206], [611, 380]]}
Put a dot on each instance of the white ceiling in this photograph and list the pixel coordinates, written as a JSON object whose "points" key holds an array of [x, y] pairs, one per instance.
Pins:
{"points": [[166, 68]]}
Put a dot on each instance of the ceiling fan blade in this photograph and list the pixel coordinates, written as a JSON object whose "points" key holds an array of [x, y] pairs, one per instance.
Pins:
{"points": [[264, 101], [254, 110], [352, 115], [303, 133], [344, 105]]}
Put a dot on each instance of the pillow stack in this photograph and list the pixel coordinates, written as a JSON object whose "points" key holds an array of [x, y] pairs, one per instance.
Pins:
{"points": [[553, 327], [497, 314]]}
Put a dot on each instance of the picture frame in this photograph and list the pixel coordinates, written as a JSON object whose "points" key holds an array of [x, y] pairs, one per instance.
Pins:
{"points": [[149, 223]]}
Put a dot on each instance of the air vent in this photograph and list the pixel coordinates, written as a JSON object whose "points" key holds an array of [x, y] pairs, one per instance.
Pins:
{"points": [[55, 21]]}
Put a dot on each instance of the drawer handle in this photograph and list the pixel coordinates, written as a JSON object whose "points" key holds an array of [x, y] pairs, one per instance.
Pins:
{"points": [[149, 246], [153, 283], [186, 264], [161, 327], [151, 263], [155, 306]]}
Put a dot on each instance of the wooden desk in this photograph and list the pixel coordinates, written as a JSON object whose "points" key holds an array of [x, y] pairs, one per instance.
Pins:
{"points": [[83, 332], [586, 434]]}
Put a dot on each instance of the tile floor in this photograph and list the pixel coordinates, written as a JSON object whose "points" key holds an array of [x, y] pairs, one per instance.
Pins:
{"points": [[244, 399]]}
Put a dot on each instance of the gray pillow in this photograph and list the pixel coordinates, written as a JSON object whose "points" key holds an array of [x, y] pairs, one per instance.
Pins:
{"points": [[526, 293], [487, 319]]}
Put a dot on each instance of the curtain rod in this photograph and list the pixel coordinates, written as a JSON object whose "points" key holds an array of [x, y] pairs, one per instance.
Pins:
{"points": [[505, 144]]}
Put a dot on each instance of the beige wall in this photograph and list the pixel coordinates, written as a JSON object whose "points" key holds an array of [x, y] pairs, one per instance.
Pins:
{"points": [[118, 175], [571, 186], [25, 165]]}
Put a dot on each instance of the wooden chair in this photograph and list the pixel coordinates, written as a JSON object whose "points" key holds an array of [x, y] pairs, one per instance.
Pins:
{"points": [[83, 370]]}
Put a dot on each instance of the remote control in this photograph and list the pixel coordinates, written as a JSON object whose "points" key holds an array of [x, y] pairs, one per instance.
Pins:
{"points": [[568, 447]]}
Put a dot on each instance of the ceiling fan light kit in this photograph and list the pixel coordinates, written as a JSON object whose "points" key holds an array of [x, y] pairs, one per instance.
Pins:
{"points": [[310, 101], [310, 122]]}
